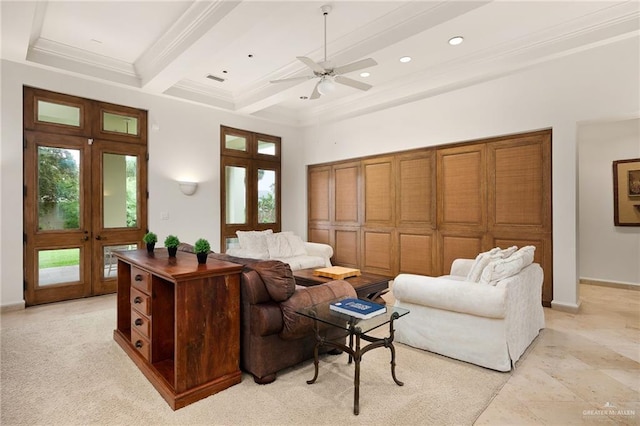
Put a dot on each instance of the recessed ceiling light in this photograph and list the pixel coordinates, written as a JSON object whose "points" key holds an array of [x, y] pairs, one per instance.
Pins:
{"points": [[454, 41], [405, 59], [365, 74]]}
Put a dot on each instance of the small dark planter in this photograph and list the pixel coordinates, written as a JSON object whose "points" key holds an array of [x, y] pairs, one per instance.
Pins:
{"points": [[202, 257], [150, 247], [172, 251]]}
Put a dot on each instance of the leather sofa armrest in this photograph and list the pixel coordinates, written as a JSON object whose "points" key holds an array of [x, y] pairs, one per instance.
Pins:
{"points": [[321, 250], [296, 325]]}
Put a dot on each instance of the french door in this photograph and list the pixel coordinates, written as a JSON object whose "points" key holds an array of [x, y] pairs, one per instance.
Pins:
{"points": [[84, 197], [249, 183]]}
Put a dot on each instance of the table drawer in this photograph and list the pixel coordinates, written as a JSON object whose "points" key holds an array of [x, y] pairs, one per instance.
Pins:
{"points": [[141, 301], [141, 344], [140, 323], [141, 279]]}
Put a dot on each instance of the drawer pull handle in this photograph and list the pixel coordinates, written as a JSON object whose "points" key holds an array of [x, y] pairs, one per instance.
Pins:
{"points": [[138, 277], [139, 344], [138, 322], [137, 300]]}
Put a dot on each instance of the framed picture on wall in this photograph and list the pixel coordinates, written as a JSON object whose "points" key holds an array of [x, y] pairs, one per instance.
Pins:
{"points": [[626, 192]]}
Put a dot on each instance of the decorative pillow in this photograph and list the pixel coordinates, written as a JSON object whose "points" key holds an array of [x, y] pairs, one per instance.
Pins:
{"points": [[278, 246], [508, 251], [254, 244], [277, 277], [482, 260], [296, 244], [500, 269]]}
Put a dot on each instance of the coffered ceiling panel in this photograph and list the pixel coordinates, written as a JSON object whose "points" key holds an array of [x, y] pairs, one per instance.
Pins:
{"points": [[225, 53]]}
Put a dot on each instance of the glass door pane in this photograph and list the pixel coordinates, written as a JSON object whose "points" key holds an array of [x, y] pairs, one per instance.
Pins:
{"points": [[236, 195], [58, 266], [58, 188], [119, 190], [267, 205]]}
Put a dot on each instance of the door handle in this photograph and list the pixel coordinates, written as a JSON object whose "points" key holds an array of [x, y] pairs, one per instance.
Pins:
{"points": [[85, 238]]}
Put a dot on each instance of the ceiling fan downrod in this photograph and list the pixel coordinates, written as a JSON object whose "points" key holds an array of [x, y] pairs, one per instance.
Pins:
{"points": [[325, 11]]}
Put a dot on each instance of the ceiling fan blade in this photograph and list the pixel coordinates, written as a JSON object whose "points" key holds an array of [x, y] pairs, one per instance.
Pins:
{"points": [[353, 83], [284, 80], [315, 94], [355, 66], [311, 64]]}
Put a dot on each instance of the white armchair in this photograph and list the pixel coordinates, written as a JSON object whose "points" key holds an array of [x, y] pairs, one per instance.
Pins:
{"points": [[477, 322]]}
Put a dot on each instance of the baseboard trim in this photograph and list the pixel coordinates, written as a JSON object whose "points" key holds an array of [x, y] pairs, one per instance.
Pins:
{"points": [[10, 307], [625, 286], [566, 307]]}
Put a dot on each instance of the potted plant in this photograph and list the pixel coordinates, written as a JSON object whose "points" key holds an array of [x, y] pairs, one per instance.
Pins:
{"points": [[171, 243], [202, 248], [150, 239]]}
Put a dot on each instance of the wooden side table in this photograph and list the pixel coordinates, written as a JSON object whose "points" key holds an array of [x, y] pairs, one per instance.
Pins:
{"points": [[180, 322]]}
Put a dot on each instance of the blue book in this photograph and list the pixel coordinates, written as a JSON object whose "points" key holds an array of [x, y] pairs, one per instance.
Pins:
{"points": [[358, 308]]}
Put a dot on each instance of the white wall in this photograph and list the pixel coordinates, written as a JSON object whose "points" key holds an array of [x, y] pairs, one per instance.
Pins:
{"points": [[602, 82], [607, 252], [185, 146]]}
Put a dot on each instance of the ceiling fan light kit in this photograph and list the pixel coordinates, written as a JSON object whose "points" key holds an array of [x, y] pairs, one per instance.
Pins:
{"points": [[328, 74]]}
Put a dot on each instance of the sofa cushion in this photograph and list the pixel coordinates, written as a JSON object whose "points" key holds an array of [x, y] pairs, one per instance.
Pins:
{"points": [[297, 245], [254, 243], [277, 277], [500, 269], [296, 326]]}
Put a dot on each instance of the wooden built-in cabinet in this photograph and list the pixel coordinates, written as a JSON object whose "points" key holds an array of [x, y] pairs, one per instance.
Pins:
{"points": [[417, 211], [179, 321]]}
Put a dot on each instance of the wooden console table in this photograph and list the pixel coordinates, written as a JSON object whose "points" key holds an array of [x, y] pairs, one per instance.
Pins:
{"points": [[180, 322]]}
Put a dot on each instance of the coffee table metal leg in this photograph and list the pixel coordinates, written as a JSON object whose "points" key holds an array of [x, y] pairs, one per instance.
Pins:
{"points": [[356, 379], [315, 353]]}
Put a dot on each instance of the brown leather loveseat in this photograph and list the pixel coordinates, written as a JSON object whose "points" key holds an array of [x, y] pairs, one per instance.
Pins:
{"points": [[273, 337]]}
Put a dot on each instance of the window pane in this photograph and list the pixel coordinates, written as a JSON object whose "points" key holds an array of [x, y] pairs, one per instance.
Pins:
{"points": [[119, 123], [58, 114], [266, 196], [266, 148], [58, 266], [110, 267], [236, 211], [119, 191], [58, 188], [231, 242], [237, 143]]}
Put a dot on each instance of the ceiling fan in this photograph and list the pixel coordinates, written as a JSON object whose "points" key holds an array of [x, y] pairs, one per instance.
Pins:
{"points": [[329, 74]]}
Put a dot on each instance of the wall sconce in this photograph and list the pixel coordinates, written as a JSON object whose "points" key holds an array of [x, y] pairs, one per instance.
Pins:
{"points": [[188, 188]]}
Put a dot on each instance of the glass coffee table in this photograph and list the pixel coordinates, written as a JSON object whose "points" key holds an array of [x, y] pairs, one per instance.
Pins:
{"points": [[357, 330]]}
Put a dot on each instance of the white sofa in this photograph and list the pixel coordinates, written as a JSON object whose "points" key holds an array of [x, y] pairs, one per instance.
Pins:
{"points": [[477, 322], [284, 246]]}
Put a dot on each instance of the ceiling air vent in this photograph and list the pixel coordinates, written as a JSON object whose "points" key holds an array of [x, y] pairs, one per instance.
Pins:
{"points": [[215, 78]]}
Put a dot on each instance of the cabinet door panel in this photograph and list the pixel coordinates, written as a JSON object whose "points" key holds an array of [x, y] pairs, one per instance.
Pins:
{"points": [[379, 189], [319, 201], [378, 251], [320, 235], [416, 253], [347, 247], [462, 186], [346, 190], [416, 190], [458, 246], [520, 183]]}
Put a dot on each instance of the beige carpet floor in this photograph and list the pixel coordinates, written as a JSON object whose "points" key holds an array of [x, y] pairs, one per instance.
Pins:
{"points": [[70, 371]]}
